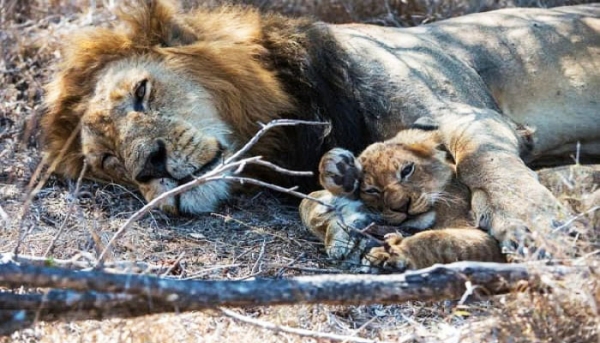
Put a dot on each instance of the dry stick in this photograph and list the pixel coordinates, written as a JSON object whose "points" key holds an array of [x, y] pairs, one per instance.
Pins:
{"points": [[261, 254], [61, 302], [175, 264], [214, 175], [574, 218], [296, 331], [438, 282], [291, 191], [70, 210], [217, 174]]}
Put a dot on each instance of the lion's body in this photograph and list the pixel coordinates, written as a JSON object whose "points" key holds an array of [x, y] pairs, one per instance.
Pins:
{"points": [[536, 67], [165, 96]]}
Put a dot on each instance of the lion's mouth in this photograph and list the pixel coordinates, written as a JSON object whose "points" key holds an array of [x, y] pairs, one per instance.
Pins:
{"points": [[207, 167]]}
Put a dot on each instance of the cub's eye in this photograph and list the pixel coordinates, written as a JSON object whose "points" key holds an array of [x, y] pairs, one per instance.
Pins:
{"points": [[139, 94], [407, 171], [371, 191]]}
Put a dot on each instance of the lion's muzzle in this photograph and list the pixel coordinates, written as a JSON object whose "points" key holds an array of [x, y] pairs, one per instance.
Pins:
{"points": [[154, 165]]}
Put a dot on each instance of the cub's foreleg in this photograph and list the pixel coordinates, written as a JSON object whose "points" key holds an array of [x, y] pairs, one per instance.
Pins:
{"points": [[339, 226], [427, 248]]}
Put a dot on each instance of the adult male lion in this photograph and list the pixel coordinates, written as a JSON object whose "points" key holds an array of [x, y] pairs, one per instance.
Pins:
{"points": [[164, 96]]}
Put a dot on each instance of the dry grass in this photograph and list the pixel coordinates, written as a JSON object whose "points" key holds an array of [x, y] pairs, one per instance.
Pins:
{"points": [[228, 244]]}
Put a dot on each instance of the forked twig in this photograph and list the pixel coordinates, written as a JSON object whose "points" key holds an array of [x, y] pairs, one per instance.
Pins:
{"points": [[266, 127]]}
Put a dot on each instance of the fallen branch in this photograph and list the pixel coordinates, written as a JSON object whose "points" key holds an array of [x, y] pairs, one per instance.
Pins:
{"points": [[434, 283], [95, 294]]}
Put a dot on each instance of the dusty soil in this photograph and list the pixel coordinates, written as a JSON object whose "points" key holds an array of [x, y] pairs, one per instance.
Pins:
{"points": [[253, 235]]}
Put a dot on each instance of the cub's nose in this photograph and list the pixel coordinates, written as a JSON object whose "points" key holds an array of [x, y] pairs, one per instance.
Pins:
{"points": [[155, 166], [400, 206]]}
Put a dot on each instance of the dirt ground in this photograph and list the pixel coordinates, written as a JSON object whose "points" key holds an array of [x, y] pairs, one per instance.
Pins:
{"points": [[253, 235]]}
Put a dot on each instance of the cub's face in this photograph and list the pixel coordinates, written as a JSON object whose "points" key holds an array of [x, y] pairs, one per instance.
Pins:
{"points": [[149, 126], [405, 176]]}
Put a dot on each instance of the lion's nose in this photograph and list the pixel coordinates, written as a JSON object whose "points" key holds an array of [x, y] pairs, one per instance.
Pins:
{"points": [[155, 166]]}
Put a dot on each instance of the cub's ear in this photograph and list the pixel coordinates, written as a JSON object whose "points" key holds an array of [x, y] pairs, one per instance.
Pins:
{"points": [[422, 143], [424, 139]]}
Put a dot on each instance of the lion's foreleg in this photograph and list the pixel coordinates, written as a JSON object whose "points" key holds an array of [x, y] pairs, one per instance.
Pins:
{"points": [[507, 199]]}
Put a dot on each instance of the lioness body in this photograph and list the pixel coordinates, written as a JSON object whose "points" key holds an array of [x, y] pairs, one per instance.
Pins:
{"points": [[168, 95]]}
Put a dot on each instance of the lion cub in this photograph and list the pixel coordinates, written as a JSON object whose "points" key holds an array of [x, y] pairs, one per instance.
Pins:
{"points": [[408, 182]]}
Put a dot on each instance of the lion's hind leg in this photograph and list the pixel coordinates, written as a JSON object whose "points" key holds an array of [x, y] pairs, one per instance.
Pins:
{"points": [[427, 248]]}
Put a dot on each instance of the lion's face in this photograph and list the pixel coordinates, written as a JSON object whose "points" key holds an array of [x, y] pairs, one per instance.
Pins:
{"points": [[162, 97], [149, 126], [405, 176]]}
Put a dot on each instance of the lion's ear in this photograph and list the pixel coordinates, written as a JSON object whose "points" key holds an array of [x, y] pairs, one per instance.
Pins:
{"points": [[155, 22]]}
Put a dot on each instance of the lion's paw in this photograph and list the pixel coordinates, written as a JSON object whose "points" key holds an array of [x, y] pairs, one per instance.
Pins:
{"points": [[340, 172], [502, 216], [387, 258]]}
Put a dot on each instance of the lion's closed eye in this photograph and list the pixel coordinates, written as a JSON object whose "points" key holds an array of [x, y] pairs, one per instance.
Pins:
{"points": [[108, 162], [140, 93]]}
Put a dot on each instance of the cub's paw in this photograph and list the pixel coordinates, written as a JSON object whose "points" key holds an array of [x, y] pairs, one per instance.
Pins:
{"points": [[388, 258], [340, 173], [347, 246]]}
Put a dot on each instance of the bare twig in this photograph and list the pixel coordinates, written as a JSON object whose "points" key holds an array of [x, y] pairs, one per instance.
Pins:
{"points": [[264, 129], [296, 331], [174, 264], [574, 218], [97, 295], [291, 191], [35, 185], [70, 210], [261, 254], [203, 272]]}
